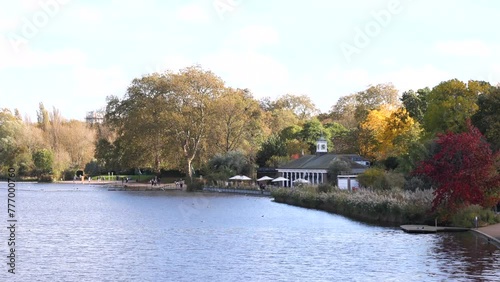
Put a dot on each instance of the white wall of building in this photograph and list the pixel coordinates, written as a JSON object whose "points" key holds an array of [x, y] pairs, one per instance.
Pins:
{"points": [[347, 182]]}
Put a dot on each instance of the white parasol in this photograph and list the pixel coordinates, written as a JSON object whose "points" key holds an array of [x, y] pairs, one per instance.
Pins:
{"points": [[279, 179], [264, 178]]}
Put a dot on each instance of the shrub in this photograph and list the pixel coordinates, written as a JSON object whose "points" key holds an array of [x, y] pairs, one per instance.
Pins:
{"points": [[367, 178], [392, 180], [325, 188], [45, 178], [465, 217], [93, 168], [69, 174], [194, 186], [391, 163], [379, 179], [418, 182]]}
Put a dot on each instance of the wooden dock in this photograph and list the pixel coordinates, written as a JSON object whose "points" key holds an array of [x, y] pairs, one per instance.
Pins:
{"points": [[431, 229]]}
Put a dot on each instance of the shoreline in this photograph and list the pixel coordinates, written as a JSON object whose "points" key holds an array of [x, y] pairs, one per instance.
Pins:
{"points": [[491, 232]]}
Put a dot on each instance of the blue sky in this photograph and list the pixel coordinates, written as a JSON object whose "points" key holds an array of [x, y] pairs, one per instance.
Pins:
{"points": [[71, 54]]}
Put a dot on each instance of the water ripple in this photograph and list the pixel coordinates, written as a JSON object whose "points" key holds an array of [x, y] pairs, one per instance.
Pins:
{"points": [[95, 235]]}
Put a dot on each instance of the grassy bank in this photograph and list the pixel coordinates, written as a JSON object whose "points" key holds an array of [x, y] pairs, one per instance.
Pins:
{"points": [[384, 207]]}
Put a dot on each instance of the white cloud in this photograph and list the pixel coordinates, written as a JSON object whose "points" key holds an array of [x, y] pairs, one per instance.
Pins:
{"points": [[474, 48], [494, 76], [252, 36], [415, 78], [89, 15], [491, 75], [403, 79], [28, 58], [349, 76], [29, 4], [193, 13], [88, 91], [8, 23], [98, 83], [262, 74]]}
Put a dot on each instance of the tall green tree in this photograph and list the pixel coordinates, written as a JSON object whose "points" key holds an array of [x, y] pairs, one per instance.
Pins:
{"points": [[451, 104], [273, 146], [295, 144], [223, 166], [42, 117], [107, 155], [44, 161], [10, 147], [238, 125], [342, 139], [312, 130], [416, 103], [192, 110], [142, 121], [487, 118]]}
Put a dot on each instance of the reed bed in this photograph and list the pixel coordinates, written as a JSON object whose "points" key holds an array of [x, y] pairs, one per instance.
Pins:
{"points": [[392, 207]]}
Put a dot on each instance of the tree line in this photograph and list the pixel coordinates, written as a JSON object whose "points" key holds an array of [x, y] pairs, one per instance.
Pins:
{"points": [[191, 121], [48, 148]]}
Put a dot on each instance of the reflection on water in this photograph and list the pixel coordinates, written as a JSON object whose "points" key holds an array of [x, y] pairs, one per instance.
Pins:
{"points": [[85, 233], [472, 256]]}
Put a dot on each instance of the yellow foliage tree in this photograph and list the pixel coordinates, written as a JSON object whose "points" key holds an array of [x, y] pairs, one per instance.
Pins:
{"points": [[387, 132]]}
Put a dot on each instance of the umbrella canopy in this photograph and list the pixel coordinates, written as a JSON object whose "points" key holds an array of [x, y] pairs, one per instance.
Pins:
{"points": [[279, 179], [300, 180], [236, 177], [244, 177], [264, 178]]}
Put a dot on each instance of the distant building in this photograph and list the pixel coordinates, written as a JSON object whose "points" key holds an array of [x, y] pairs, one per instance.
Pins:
{"points": [[314, 168], [95, 117]]}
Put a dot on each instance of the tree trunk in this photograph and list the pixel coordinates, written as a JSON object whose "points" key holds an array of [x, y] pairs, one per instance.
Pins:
{"points": [[189, 170]]}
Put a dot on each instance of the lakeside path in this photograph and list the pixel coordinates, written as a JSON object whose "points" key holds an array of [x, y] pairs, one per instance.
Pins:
{"points": [[490, 231]]}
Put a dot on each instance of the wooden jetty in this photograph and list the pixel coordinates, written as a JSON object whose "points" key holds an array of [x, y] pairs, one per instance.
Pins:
{"points": [[431, 229]]}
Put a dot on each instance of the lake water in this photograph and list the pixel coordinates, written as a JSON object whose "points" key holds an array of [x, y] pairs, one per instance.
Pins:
{"points": [[75, 232]]}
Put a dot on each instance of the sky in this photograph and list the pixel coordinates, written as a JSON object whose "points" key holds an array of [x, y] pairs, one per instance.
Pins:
{"points": [[72, 54]]}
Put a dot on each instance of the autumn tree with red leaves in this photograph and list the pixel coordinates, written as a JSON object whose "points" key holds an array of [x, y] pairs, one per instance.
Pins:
{"points": [[464, 171]]}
